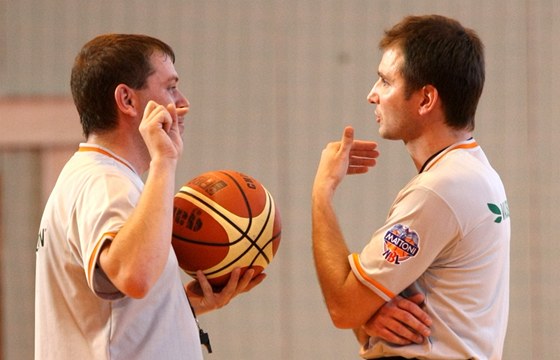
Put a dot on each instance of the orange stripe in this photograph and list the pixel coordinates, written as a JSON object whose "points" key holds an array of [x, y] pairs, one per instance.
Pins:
{"points": [[106, 153], [96, 249], [366, 277], [461, 146]]}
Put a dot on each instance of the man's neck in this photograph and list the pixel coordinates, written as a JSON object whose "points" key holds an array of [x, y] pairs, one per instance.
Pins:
{"points": [[422, 148], [123, 145]]}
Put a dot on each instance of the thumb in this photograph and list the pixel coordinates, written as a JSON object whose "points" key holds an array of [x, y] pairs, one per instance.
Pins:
{"points": [[347, 138]]}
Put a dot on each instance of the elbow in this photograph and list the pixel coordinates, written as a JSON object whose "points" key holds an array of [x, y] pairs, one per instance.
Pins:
{"points": [[338, 321], [131, 277], [343, 322], [136, 290], [135, 286], [343, 318]]}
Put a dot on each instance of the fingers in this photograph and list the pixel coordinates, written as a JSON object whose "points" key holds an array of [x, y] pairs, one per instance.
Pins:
{"points": [[215, 299], [182, 111], [400, 321], [361, 154], [169, 114], [413, 315], [394, 332], [417, 298], [360, 165], [358, 147], [172, 109], [231, 286], [176, 112], [415, 323], [245, 280], [256, 280], [157, 114], [204, 285], [238, 284], [149, 108], [152, 108]]}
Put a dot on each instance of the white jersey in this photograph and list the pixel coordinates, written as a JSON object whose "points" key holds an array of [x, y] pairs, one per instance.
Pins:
{"points": [[448, 235], [79, 314]]}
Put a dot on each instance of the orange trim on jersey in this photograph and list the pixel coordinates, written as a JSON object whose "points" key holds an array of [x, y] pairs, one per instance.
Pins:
{"points": [[469, 145], [104, 152], [366, 277], [96, 249]]}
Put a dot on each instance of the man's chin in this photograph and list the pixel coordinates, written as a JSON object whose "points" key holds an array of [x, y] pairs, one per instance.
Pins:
{"points": [[387, 135]]}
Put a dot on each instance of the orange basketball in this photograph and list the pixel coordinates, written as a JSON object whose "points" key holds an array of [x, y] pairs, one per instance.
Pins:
{"points": [[223, 220]]}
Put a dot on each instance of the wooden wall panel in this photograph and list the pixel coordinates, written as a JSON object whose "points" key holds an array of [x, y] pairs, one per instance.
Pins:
{"points": [[20, 174]]}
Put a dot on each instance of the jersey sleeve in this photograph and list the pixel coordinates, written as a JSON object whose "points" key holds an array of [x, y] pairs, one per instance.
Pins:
{"points": [[418, 229], [107, 202]]}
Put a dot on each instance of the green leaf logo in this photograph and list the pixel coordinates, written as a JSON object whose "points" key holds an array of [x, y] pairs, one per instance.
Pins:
{"points": [[496, 210]]}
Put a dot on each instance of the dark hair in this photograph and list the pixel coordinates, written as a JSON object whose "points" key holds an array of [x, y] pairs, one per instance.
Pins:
{"points": [[441, 52], [102, 64]]}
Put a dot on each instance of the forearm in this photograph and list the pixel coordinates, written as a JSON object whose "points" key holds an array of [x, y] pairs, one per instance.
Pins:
{"points": [[329, 250], [136, 257], [350, 303]]}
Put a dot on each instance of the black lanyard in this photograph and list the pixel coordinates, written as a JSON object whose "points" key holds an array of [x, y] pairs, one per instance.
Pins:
{"points": [[204, 337]]}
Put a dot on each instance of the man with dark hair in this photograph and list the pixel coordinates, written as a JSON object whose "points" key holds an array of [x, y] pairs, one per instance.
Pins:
{"points": [[108, 285], [443, 243]]}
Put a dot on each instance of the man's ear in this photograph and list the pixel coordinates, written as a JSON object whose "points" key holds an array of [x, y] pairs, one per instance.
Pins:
{"points": [[126, 100], [429, 100]]}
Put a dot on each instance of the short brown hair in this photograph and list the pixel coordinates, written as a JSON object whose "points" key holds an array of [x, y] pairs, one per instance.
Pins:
{"points": [[102, 64], [441, 52]]}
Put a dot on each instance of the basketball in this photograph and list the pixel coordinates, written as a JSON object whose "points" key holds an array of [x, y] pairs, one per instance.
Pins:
{"points": [[223, 220]]}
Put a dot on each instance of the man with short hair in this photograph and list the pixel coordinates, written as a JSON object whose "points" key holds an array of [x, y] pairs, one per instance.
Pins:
{"points": [[447, 235], [108, 285]]}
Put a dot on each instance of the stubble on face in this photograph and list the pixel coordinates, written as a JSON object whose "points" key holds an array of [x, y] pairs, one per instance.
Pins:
{"points": [[394, 111]]}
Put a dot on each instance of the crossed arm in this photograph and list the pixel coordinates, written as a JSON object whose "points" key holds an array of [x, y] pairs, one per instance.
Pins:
{"points": [[400, 321], [350, 303]]}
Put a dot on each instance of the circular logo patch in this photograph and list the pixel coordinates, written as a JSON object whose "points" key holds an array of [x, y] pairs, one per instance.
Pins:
{"points": [[400, 244]]}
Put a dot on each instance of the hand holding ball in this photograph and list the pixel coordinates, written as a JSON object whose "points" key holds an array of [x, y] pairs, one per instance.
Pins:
{"points": [[223, 220]]}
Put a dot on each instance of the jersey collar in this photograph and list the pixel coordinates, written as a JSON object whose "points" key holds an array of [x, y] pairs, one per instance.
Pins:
{"points": [[432, 160], [101, 150]]}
